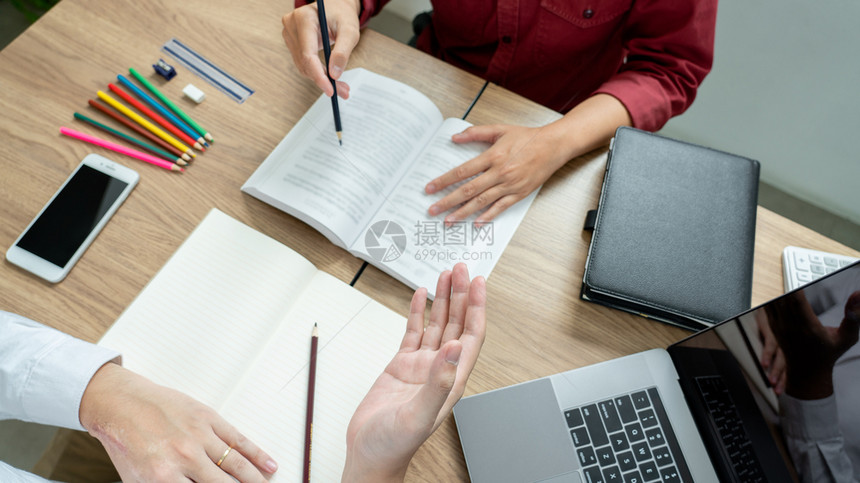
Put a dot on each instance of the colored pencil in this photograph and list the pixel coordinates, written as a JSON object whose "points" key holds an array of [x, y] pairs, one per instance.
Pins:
{"points": [[155, 117], [137, 128], [121, 149], [143, 122], [309, 421], [161, 109], [145, 145], [167, 102], [327, 53]]}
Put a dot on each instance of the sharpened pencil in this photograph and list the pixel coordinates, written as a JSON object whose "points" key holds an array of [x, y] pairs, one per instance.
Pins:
{"points": [[167, 102], [137, 128], [309, 421], [121, 149], [143, 122], [155, 117], [161, 109], [327, 51], [145, 145]]}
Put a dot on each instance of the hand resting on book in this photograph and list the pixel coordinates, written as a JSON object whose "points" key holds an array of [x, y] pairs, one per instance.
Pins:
{"points": [[423, 381]]}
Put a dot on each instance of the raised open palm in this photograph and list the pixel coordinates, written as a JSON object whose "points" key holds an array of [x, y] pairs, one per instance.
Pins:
{"points": [[423, 381]]}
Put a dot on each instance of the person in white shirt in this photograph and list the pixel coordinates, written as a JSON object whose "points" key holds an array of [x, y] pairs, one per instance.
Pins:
{"points": [[153, 433], [811, 356]]}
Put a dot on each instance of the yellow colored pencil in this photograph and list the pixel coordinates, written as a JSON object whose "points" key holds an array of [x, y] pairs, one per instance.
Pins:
{"points": [[143, 122]]}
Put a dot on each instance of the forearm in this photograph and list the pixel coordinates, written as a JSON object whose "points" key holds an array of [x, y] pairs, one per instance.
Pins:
{"points": [[586, 127]]}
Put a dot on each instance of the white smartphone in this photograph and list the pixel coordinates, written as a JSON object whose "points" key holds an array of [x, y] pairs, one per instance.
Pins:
{"points": [[68, 223]]}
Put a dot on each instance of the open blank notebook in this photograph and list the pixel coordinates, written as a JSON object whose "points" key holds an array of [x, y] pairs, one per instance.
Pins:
{"points": [[228, 320]]}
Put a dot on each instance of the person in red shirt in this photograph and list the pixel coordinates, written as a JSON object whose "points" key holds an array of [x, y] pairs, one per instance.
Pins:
{"points": [[602, 64]]}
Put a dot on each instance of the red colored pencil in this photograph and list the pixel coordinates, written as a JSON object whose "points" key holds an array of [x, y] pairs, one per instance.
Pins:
{"points": [[138, 129], [155, 117]]}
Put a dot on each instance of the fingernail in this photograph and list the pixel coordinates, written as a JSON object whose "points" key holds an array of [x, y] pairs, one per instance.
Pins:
{"points": [[453, 356], [430, 189], [336, 71], [434, 210], [271, 466]]}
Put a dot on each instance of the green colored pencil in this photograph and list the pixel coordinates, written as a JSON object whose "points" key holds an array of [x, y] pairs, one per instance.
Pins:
{"points": [[173, 107], [149, 147]]}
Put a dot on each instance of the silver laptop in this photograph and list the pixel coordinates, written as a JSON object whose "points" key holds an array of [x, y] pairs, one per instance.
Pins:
{"points": [[700, 410]]}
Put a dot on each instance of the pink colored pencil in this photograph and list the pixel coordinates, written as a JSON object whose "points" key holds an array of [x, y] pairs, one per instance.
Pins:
{"points": [[121, 149]]}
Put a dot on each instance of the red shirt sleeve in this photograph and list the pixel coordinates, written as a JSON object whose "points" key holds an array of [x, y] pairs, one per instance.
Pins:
{"points": [[670, 49], [369, 8]]}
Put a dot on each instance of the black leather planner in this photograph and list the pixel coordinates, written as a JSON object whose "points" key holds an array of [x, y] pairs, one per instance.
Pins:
{"points": [[674, 231]]}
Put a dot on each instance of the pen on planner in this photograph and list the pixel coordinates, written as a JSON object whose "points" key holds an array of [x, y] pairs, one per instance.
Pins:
{"points": [[121, 149], [143, 122], [145, 145], [309, 422], [137, 128], [327, 51], [155, 117], [167, 102], [161, 109]]}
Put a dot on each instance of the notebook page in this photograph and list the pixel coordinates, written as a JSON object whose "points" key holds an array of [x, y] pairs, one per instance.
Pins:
{"points": [[358, 337], [200, 321]]}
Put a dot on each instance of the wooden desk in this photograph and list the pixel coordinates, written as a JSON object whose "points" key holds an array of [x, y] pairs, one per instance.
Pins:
{"points": [[537, 325], [80, 46]]}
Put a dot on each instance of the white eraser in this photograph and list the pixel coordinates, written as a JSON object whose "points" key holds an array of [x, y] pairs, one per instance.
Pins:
{"points": [[194, 93]]}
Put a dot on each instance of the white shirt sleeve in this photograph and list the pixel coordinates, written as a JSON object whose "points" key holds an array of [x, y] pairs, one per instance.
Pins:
{"points": [[814, 439], [9, 474], [44, 372]]}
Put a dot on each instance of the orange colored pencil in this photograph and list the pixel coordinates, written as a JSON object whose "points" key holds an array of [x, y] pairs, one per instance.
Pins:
{"points": [[138, 129], [155, 117]]}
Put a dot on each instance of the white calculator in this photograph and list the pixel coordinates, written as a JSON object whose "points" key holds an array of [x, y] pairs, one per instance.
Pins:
{"points": [[803, 265]]}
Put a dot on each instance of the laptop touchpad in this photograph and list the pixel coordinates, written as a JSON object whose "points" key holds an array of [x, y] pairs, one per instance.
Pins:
{"points": [[515, 434]]}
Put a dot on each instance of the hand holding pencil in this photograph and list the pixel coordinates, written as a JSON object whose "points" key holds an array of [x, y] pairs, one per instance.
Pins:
{"points": [[421, 383], [300, 28]]}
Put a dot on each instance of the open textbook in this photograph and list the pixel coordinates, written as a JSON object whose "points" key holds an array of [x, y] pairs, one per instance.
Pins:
{"points": [[228, 320], [368, 197]]}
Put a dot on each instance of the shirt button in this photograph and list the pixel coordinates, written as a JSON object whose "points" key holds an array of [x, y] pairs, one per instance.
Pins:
{"points": [[588, 13], [506, 39]]}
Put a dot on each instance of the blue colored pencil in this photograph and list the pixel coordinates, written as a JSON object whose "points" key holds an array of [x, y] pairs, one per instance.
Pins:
{"points": [[161, 109]]}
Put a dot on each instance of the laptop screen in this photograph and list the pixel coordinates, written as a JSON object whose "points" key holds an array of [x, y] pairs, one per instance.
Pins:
{"points": [[788, 373]]}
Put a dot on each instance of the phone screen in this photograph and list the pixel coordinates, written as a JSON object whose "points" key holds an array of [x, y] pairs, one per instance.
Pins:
{"points": [[71, 216]]}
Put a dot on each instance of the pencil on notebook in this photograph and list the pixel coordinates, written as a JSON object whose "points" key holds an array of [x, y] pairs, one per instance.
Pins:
{"points": [[145, 145], [161, 109], [309, 421], [155, 117], [137, 128], [143, 122], [167, 102], [121, 149]]}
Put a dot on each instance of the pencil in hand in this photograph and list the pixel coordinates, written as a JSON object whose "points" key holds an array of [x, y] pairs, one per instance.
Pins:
{"points": [[327, 51]]}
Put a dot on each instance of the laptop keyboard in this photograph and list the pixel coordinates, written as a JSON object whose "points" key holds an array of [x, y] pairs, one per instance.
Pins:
{"points": [[727, 420], [627, 439]]}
